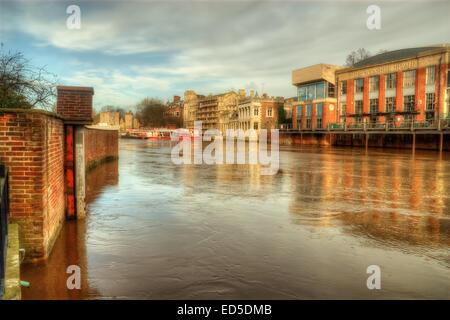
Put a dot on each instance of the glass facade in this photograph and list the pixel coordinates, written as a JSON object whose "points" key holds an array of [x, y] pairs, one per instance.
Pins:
{"points": [[312, 91]]}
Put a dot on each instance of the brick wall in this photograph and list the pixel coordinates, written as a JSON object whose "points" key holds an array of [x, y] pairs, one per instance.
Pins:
{"points": [[100, 145], [269, 122], [31, 147]]}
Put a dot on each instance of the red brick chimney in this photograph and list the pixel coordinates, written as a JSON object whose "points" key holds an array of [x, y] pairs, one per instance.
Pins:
{"points": [[74, 104], [176, 98]]}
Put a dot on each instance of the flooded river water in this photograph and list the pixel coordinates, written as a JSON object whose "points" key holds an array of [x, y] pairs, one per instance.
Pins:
{"points": [[156, 230]]}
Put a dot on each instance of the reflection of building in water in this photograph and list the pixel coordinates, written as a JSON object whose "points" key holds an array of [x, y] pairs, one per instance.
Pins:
{"points": [[381, 197]]}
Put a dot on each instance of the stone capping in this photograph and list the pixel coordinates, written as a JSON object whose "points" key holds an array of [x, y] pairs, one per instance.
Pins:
{"points": [[31, 111], [104, 128], [75, 88]]}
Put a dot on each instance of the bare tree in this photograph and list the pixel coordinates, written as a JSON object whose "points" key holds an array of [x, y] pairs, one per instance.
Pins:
{"points": [[150, 112], [109, 108], [23, 85], [356, 56]]}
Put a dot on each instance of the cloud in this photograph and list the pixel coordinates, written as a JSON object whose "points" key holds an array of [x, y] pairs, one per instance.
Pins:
{"points": [[164, 48]]}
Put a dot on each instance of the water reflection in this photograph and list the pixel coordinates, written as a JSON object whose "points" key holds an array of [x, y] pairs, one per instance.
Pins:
{"points": [[48, 278], [165, 231], [388, 199]]}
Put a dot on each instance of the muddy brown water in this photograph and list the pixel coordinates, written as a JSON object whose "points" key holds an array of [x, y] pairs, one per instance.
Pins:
{"points": [[156, 230]]}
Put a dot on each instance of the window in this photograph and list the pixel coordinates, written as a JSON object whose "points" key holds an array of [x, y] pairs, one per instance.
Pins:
{"points": [[448, 78], [343, 108], [343, 87], [374, 83], [431, 75], [308, 123], [409, 78], [331, 90], [309, 110], [255, 111], [373, 103], [255, 125], [359, 85], [320, 90], [430, 101], [308, 116], [319, 112], [391, 80], [269, 112], [299, 117], [311, 94], [302, 94], [408, 103], [358, 107], [390, 104]]}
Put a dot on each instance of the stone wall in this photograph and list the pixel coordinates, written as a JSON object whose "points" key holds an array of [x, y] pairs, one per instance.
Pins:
{"points": [[101, 145], [31, 147]]}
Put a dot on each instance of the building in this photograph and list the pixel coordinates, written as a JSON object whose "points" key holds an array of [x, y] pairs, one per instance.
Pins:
{"points": [[316, 105], [288, 104], [129, 122], [257, 113], [231, 110], [111, 119], [399, 87], [174, 112], [190, 108], [213, 110]]}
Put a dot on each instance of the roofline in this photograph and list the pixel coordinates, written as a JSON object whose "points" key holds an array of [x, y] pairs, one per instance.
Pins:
{"points": [[319, 64], [421, 54]]}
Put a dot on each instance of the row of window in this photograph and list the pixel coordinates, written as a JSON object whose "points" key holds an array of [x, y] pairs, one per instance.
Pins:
{"points": [[308, 110], [409, 80], [408, 104], [319, 123], [314, 91], [246, 112]]}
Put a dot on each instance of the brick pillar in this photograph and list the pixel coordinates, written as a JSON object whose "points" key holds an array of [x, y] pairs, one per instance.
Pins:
{"points": [[74, 105], [366, 96], [399, 92], [420, 93], [294, 117], [399, 97], [441, 88], [381, 96], [350, 100], [313, 115]]}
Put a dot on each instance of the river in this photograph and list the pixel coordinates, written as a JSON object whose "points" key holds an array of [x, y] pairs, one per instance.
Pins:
{"points": [[156, 230]]}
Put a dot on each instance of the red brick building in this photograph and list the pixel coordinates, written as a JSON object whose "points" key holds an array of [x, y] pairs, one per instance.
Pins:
{"points": [[316, 105], [174, 112], [402, 87]]}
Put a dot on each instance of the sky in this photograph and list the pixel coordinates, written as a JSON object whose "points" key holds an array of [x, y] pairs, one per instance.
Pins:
{"points": [[129, 50]]}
